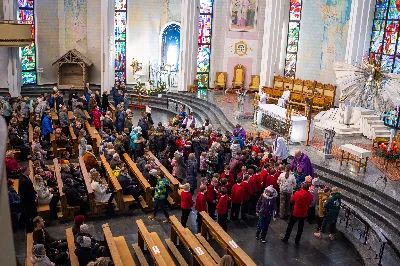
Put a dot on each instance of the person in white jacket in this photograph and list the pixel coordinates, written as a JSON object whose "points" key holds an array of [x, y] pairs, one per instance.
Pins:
{"points": [[100, 189], [45, 195], [287, 183]]}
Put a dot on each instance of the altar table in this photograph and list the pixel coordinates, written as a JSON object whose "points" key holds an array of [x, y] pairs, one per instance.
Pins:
{"points": [[361, 154], [299, 123]]}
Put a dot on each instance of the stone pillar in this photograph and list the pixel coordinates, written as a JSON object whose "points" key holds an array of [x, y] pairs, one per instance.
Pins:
{"points": [[107, 45], [14, 63], [360, 29], [189, 31], [274, 40]]}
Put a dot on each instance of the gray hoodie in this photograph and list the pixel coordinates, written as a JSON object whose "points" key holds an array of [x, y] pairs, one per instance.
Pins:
{"points": [[41, 261]]}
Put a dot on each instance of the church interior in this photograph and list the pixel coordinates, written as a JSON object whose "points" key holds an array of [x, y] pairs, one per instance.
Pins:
{"points": [[200, 132]]}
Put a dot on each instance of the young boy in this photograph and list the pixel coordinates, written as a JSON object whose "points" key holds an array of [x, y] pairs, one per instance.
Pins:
{"points": [[228, 175], [222, 209], [212, 197], [201, 205], [246, 196], [252, 191], [237, 199], [160, 197], [186, 203]]}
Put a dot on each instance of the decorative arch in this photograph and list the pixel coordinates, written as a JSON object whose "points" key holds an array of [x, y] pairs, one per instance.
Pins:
{"points": [[171, 45]]}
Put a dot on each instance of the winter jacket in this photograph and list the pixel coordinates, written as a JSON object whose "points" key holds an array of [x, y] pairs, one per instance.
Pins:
{"points": [[12, 165], [322, 197], [96, 118], [63, 118], [108, 123], [24, 112], [47, 128], [44, 261], [314, 191], [180, 166], [27, 192], [201, 202], [105, 104], [80, 114], [286, 185], [241, 142], [41, 108], [332, 207], [235, 149], [118, 99], [119, 121], [186, 200], [237, 193], [301, 200], [161, 191], [14, 200], [85, 255], [128, 122], [266, 206], [44, 194], [126, 101], [134, 137], [191, 171], [100, 192]]}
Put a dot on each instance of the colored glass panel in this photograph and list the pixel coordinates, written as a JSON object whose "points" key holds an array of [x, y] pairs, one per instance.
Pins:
{"points": [[25, 16], [206, 6], [379, 25], [396, 68], [120, 25], [290, 65], [120, 56], [28, 58], [203, 58], [120, 4], [382, 3], [29, 77], [203, 80], [380, 13], [292, 46], [120, 76], [25, 3], [394, 13], [293, 37], [204, 29], [295, 10]]}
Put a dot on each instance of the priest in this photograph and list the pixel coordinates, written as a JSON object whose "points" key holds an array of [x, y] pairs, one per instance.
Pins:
{"points": [[285, 98], [301, 160], [279, 147]]}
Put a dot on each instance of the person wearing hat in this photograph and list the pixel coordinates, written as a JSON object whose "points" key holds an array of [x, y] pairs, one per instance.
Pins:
{"points": [[78, 221], [265, 210], [39, 257], [323, 195], [89, 159]]}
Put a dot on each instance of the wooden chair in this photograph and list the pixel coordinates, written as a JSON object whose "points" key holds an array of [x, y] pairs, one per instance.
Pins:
{"points": [[89, 189], [298, 86], [71, 116], [226, 242], [30, 133], [54, 118], [187, 238], [308, 88], [288, 83], [254, 83], [147, 201], [329, 94], [238, 77], [88, 118], [276, 91], [193, 88], [220, 81], [71, 247]]}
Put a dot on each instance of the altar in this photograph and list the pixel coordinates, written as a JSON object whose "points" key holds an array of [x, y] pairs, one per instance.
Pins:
{"points": [[299, 122]]}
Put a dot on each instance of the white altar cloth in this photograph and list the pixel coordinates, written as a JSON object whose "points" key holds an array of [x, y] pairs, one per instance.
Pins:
{"points": [[357, 151], [299, 123]]}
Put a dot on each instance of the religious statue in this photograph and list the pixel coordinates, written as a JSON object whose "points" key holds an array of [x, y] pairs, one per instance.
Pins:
{"points": [[345, 110], [134, 66], [263, 97], [256, 102], [328, 142], [241, 94]]}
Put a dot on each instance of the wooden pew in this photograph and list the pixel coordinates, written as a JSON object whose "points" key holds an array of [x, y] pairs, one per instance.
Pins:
{"points": [[174, 183], [29, 246], [41, 209], [67, 212], [178, 256], [56, 150], [74, 140], [154, 245], [147, 200], [95, 137], [71, 116], [89, 189], [87, 115], [111, 108], [30, 133], [54, 117], [115, 256], [71, 247], [123, 201], [210, 226], [123, 250], [186, 237]]}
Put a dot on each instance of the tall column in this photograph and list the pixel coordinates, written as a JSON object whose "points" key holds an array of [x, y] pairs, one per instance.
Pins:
{"points": [[14, 63], [274, 40], [360, 29], [107, 45], [189, 31]]}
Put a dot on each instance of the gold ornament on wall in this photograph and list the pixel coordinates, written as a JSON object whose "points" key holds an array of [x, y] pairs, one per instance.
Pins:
{"points": [[241, 48]]}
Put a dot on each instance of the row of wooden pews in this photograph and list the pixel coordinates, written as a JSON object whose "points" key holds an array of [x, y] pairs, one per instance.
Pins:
{"points": [[118, 248], [41, 209], [94, 135]]}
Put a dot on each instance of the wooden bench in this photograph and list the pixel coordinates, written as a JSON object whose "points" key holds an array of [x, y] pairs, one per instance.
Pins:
{"points": [[147, 201], [41, 209], [111, 108], [173, 182], [74, 139], [154, 245], [112, 246], [123, 201], [56, 150], [94, 136], [87, 115], [123, 251], [71, 247], [29, 246], [89, 189], [30, 133], [186, 237], [71, 116], [178, 256], [226, 242], [54, 118], [67, 212]]}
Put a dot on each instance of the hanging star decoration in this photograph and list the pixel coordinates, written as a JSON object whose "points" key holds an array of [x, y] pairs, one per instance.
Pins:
{"points": [[368, 84]]}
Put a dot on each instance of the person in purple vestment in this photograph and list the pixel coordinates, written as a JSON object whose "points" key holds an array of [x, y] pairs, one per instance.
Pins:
{"points": [[301, 160], [240, 131]]}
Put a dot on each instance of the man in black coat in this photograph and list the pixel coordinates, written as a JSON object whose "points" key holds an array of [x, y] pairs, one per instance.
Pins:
{"points": [[28, 198]]}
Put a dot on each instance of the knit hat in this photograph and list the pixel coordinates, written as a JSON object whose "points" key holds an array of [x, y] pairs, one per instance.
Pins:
{"points": [[79, 220], [85, 242], [84, 228], [38, 250], [315, 182], [153, 172]]}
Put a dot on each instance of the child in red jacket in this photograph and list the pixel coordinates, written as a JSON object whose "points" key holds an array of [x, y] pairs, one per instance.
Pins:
{"points": [[228, 175], [222, 209], [237, 199], [259, 182], [186, 203], [201, 205], [252, 192], [212, 197], [246, 196]]}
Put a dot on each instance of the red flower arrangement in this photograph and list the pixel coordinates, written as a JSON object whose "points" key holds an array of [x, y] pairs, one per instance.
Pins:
{"points": [[389, 155]]}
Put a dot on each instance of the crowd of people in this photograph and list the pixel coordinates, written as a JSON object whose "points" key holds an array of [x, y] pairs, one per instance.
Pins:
{"points": [[220, 172]]}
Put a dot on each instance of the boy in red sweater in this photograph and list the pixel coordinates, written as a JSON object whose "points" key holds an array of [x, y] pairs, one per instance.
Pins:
{"points": [[186, 203], [246, 196], [212, 197], [252, 192], [222, 209], [228, 175], [237, 199], [259, 182], [201, 205]]}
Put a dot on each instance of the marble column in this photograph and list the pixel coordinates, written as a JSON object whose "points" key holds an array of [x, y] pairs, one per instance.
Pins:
{"points": [[189, 30], [360, 29], [274, 40], [107, 45], [14, 63]]}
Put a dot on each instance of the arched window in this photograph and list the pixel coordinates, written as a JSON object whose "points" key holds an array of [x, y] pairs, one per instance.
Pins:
{"points": [[171, 46], [385, 44], [120, 40], [293, 38], [26, 15]]}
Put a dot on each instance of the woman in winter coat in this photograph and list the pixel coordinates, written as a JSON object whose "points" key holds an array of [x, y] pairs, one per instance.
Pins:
{"points": [[96, 117], [265, 210], [82, 142], [180, 165], [332, 209], [45, 195], [191, 170], [323, 195], [64, 120], [12, 166], [80, 114], [100, 189], [24, 111]]}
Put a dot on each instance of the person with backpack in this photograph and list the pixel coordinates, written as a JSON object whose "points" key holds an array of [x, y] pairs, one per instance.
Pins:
{"points": [[160, 197]]}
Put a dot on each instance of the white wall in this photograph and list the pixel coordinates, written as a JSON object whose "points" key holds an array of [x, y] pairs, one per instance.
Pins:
{"points": [[3, 67]]}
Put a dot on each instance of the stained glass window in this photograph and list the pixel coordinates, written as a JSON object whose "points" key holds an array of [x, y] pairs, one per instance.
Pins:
{"points": [[204, 43], [293, 38], [26, 15], [120, 40], [385, 44]]}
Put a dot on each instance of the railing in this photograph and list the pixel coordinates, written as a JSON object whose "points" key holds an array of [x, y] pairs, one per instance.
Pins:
{"points": [[175, 105], [364, 230]]}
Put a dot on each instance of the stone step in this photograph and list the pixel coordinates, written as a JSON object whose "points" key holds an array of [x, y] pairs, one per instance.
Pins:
{"points": [[370, 117]]}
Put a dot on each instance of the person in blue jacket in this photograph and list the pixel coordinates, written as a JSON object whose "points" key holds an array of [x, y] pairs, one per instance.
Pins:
{"points": [[47, 128], [119, 98], [119, 121]]}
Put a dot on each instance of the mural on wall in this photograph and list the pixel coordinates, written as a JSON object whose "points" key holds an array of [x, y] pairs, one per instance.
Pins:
{"points": [[76, 25], [324, 22], [243, 15], [170, 47]]}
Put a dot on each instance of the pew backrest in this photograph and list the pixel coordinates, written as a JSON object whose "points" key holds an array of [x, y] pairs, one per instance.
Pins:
{"points": [[89, 188], [116, 258], [29, 246], [71, 247], [146, 239]]}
